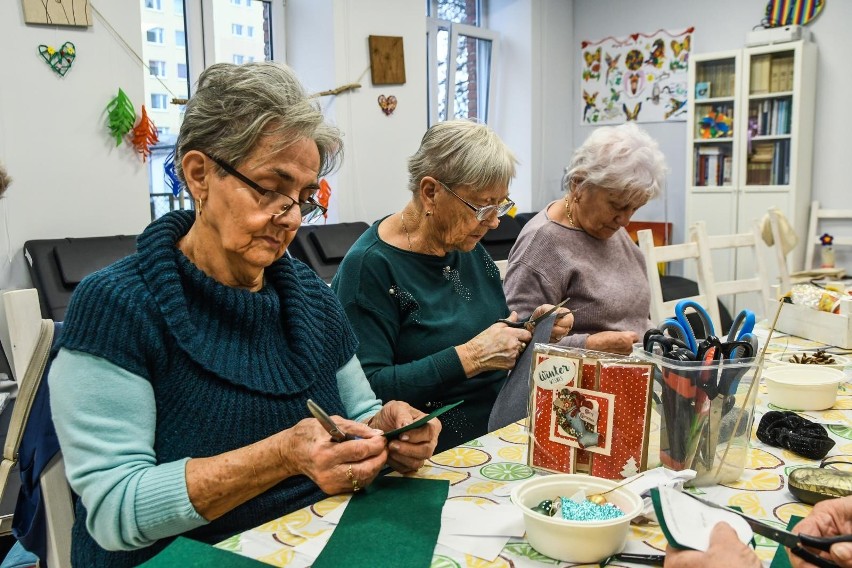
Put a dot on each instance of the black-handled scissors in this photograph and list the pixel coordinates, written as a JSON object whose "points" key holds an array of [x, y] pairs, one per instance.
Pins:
{"points": [[797, 543], [530, 323], [337, 435]]}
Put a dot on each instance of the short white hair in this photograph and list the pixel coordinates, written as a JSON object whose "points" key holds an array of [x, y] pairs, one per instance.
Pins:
{"points": [[618, 158]]}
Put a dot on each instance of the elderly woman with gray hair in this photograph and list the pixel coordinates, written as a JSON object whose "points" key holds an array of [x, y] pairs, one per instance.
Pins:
{"points": [[180, 391], [577, 246], [424, 296]]}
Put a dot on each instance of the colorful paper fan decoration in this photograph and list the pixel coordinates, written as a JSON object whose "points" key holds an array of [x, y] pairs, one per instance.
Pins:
{"points": [[324, 195], [170, 175], [144, 135], [121, 116], [715, 125]]}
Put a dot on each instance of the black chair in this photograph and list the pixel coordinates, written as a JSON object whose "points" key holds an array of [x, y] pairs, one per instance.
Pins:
{"points": [[522, 218], [675, 287], [498, 242], [58, 265], [322, 247]]}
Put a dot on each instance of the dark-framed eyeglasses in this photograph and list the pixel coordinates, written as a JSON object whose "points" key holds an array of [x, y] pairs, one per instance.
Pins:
{"points": [[274, 202], [483, 212]]}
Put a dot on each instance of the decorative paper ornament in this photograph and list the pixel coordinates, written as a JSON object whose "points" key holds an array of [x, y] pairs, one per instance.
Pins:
{"points": [[324, 195], [59, 60], [144, 135], [121, 116], [170, 175], [387, 104]]}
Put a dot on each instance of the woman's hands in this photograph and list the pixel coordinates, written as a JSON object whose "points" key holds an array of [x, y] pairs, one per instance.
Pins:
{"points": [[497, 347], [612, 341], [562, 324], [832, 517], [310, 451], [725, 549], [414, 447]]}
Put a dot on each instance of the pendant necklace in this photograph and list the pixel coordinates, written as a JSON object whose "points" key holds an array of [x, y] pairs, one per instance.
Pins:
{"points": [[568, 213], [407, 234]]}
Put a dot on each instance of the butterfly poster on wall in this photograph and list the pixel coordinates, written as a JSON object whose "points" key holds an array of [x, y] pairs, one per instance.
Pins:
{"points": [[642, 77]]}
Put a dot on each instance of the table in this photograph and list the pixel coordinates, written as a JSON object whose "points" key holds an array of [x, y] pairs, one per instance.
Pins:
{"points": [[483, 470]]}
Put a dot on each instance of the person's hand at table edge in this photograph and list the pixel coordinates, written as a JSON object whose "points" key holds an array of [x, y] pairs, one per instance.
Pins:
{"points": [[414, 447], [831, 517], [725, 549]]}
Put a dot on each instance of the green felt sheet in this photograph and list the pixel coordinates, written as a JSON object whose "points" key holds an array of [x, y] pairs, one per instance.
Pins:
{"points": [[188, 553], [781, 560], [395, 519]]}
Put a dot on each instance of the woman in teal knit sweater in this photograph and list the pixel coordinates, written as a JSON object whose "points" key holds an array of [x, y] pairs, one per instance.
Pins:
{"points": [[179, 394], [423, 295]]}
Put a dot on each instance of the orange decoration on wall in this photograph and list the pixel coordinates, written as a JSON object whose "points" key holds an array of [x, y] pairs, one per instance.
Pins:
{"points": [[144, 135]]}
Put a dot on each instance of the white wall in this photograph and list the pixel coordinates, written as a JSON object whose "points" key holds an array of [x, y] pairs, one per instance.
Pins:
{"points": [[69, 178], [723, 25]]}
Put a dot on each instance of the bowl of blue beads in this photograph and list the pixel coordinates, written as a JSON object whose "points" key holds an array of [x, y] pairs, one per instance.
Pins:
{"points": [[576, 518]]}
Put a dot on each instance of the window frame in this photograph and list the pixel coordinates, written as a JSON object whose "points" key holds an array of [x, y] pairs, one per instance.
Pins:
{"points": [[433, 26], [161, 35], [157, 8], [160, 66], [165, 99]]}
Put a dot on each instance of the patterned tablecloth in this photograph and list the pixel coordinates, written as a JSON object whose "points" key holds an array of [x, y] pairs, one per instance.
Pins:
{"points": [[482, 471]]}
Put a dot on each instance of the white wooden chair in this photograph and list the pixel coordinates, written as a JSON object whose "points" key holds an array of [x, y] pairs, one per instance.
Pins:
{"points": [[689, 251], [20, 319], [502, 266], [781, 258], [751, 252], [816, 228]]}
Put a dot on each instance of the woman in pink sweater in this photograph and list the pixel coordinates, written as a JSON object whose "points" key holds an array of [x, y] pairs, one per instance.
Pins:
{"points": [[577, 246]]}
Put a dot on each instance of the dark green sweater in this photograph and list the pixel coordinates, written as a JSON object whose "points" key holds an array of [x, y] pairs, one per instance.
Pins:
{"points": [[409, 311]]}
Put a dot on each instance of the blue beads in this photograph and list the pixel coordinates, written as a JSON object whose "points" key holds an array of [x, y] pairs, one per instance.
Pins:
{"points": [[587, 511]]}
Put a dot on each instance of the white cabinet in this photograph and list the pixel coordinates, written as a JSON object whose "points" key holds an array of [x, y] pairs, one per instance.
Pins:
{"points": [[750, 142]]}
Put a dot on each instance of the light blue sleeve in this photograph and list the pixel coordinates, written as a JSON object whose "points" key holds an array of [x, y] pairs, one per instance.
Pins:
{"points": [[105, 418], [357, 395]]}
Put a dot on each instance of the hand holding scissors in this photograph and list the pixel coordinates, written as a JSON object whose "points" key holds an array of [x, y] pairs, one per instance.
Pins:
{"points": [[530, 323]]}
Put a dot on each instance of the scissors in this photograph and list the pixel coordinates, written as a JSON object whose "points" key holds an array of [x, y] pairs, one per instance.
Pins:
{"points": [[743, 325], [797, 543], [530, 323], [685, 325], [337, 435]]}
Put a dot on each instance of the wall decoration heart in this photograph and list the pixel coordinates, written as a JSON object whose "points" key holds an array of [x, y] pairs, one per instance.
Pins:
{"points": [[388, 104], [59, 60]]}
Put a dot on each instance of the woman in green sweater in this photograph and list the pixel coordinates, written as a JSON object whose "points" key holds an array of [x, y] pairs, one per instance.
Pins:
{"points": [[422, 293]]}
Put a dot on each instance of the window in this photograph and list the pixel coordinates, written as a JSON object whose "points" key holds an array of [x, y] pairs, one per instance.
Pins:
{"points": [[238, 59], [236, 2], [154, 5], [157, 68], [154, 35], [460, 57], [237, 29], [177, 78], [159, 101]]}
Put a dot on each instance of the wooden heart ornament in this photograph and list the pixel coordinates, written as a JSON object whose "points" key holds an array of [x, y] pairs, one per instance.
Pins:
{"points": [[59, 60], [387, 104]]}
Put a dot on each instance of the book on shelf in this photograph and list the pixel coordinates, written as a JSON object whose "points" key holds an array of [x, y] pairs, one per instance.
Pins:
{"points": [[759, 74]]}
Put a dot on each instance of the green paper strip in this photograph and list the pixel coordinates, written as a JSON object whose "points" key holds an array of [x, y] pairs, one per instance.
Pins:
{"points": [[188, 553], [394, 434], [781, 560], [394, 521]]}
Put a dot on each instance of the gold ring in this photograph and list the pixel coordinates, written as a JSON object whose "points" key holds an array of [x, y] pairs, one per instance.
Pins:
{"points": [[523, 345], [352, 478]]}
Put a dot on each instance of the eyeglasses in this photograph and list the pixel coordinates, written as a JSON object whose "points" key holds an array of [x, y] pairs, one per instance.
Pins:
{"points": [[485, 211], [273, 202]]}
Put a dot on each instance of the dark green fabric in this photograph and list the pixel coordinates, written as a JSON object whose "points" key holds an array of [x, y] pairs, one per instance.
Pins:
{"points": [[394, 522], [188, 553], [409, 311], [228, 367], [781, 560]]}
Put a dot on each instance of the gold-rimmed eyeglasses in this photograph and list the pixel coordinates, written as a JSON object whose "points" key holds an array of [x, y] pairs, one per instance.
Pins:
{"points": [[483, 212], [273, 202]]}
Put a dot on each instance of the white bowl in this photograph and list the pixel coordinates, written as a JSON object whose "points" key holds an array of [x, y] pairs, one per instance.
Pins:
{"points": [[803, 387], [575, 541], [783, 358]]}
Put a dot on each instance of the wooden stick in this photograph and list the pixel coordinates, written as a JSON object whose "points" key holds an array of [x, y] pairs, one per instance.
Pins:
{"points": [[338, 90], [755, 381]]}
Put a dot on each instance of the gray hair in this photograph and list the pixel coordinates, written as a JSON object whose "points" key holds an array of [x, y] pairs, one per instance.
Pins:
{"points": [[235, 105], [5, 180], [462, 152], [618, 158]]}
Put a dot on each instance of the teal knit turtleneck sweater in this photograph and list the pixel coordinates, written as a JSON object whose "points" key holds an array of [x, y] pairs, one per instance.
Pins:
{"points": [[228, 367]]}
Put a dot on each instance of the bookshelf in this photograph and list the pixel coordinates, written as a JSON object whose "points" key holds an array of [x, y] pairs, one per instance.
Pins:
{"points": [[750, 141]]}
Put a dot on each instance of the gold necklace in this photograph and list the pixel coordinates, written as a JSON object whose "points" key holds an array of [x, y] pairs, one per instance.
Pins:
{"points": [[407, 234], [568, 212]]}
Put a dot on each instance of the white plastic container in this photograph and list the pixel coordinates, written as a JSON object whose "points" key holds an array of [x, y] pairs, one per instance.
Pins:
{"points": [[803, 387], [575, 541]]}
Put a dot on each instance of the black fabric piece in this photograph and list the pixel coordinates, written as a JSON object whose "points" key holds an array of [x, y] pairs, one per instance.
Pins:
{"points": [[790, 431]]}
